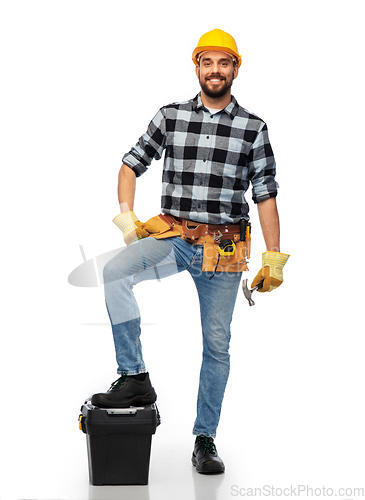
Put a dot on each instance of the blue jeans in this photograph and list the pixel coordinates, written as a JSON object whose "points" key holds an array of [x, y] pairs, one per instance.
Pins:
{"points": [[153, 259]]}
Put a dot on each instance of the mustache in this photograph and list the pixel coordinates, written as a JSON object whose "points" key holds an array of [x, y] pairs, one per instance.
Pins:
{"points": [[215, 75]]}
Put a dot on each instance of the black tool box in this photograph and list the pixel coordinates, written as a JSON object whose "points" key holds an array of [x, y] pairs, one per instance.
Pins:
{"points": [[118, 442]]}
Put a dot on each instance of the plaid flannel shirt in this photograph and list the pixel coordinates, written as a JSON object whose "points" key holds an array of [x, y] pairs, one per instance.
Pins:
{"points": [[210, 160]]}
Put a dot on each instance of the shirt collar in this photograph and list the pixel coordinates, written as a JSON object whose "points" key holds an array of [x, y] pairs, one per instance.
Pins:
{"points": [[231, 109]]}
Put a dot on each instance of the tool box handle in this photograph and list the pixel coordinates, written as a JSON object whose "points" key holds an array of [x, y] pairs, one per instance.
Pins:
{"points": [[124, 411]]}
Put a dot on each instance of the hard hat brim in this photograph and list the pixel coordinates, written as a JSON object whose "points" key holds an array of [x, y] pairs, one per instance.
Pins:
{"points": [[207, 48]]}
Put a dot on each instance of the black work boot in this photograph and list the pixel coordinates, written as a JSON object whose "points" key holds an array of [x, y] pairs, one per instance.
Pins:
{"points": [[205, 457], [126, 391]]}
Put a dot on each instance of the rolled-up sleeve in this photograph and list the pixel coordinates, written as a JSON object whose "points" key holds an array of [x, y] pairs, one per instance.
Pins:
{"points": [[149, 146], [262, 168]]}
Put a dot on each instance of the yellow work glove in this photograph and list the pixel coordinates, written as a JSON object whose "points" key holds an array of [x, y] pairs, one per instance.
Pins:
{"points": [[153, 225], [271, 271], [126, 221]]}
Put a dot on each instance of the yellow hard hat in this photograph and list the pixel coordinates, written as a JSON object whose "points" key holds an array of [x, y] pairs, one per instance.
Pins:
{"points": [[217, 40]]}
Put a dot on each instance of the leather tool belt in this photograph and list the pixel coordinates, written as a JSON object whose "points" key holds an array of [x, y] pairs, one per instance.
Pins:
{"points": [[208, 235]]}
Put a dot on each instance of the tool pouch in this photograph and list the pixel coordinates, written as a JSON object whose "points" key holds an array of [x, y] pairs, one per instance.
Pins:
{"points": [[235, 263]]}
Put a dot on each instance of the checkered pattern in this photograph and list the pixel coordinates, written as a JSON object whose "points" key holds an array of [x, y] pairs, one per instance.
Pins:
{"points": [[210, 160]]}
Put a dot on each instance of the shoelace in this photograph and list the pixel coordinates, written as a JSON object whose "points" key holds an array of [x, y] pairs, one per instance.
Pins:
{"points": [[206, 444], [118, 382]]}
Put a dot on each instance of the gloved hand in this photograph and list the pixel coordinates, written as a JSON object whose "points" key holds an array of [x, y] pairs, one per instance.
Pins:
{"points": [[271, 271], [126, 221], [153, 225]]}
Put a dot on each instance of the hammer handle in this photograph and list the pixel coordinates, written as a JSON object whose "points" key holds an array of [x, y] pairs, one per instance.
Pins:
{"points": [[260, 285]]}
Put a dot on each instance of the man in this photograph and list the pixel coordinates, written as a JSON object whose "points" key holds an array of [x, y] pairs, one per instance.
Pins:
{"points": [[213, 150]]}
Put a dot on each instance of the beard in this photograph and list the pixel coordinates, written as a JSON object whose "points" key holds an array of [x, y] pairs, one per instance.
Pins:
{"points": [[216, 91]]}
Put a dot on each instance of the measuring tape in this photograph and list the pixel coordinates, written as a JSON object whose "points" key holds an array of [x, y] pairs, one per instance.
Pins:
{"points": [[226, 248]]}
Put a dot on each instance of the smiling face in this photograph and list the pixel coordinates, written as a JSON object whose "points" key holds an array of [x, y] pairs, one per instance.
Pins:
{"points": [[216, 72]]}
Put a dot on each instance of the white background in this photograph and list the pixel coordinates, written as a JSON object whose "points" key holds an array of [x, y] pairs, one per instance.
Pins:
{"points": [[80, 82]]}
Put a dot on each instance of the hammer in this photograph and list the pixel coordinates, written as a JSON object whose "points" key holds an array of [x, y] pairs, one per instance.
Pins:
{"points": [[247, 292]]}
